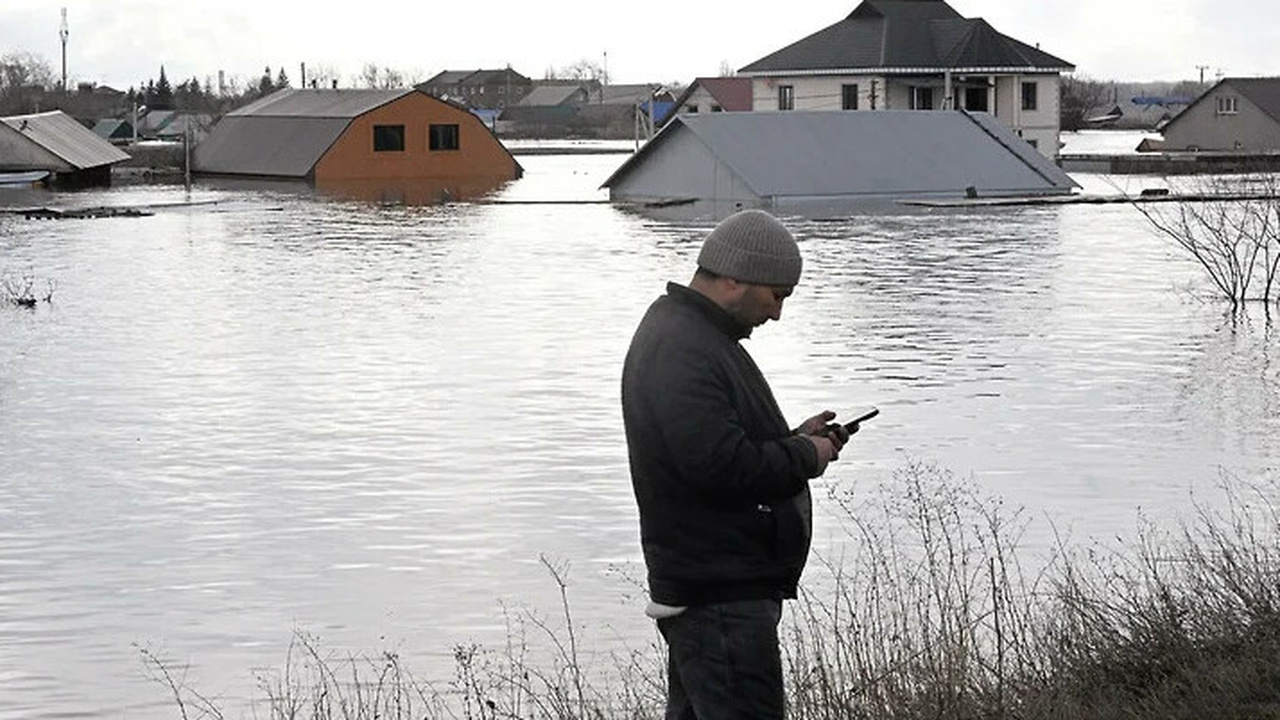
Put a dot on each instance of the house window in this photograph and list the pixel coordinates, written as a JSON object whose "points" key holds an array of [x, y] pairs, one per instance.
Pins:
{"points": [[442, 137], [1034, 143], [716, 108], [1226, 106], [786, 97], [921, 98], [388, 138], [849, 97], [1028, 96], [691, 108]]}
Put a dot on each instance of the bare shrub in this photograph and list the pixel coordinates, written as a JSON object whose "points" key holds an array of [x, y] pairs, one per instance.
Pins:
{"points": [[929, 612], [1231, 228], [21, 289]]}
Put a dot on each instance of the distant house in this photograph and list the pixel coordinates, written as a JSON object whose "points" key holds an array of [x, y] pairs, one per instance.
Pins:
{"points": [[833, 156], [551, 109], [152, 122], [372, 137], [715, 94], [487, 89], [624, 110], [557, 95], [57, 143], [114, 131], [915, 55], [179, 124], [1237, 115]]}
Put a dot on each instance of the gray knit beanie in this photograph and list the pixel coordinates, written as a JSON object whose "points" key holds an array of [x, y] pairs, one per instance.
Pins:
{"points": [[751, 246]]}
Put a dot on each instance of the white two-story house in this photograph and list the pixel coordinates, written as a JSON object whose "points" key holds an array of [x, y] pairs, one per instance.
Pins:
{"points": [[915, 55]]}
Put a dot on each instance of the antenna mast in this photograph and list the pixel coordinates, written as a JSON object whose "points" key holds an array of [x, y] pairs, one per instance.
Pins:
{"points": [[63, 32]]}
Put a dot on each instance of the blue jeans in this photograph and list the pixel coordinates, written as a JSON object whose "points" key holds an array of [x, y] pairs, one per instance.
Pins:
{"points": [[723, 662]]}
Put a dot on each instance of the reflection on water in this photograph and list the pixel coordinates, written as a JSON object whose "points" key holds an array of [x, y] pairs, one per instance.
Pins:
{"points": [[276, 410]]}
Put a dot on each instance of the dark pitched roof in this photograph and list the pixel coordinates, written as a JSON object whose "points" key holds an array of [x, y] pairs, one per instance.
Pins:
{"points": [[1264, 92], [469, 77], [906, 34], [448, 77], [1261, 91]]}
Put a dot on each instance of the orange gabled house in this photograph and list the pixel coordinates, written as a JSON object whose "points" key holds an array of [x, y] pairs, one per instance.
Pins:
{"points": [[361, 139]]}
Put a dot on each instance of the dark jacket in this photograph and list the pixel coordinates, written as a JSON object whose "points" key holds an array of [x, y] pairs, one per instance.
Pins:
{"points": [[721, 482]]}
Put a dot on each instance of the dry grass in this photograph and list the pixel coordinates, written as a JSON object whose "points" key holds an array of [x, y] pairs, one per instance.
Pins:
{"points": [[929, 613]]}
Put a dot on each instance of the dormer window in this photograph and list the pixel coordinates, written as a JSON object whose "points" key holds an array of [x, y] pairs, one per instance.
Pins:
{"points": [[1226, 105]]}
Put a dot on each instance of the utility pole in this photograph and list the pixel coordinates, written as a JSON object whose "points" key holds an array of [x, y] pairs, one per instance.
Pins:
{"points": [[63, 32], [1202, 68]]}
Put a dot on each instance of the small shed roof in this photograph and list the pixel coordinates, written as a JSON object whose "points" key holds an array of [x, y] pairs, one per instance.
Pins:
{"points": [[53, 141], [844, 154], [108, 128]]}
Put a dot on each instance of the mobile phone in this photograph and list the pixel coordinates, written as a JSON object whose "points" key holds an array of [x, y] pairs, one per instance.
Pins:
{"points": [[861, 416]]}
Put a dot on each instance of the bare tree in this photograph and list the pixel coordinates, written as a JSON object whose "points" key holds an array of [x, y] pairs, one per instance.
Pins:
{"points": [[372, 76], [24, 77], [1080, 96], [584, 70], [1232, 230]]}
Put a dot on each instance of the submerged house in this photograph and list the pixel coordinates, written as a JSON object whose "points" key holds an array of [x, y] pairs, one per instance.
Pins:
{"points": [[1236, 115], [56, 143], [834, 157], [715, 94], [915, 55], [359, 140]]}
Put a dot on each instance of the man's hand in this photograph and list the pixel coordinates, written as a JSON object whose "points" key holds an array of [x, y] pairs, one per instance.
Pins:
{"points": [[821, 424]]}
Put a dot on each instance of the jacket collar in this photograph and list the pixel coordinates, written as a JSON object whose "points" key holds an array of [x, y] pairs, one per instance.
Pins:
{"points": [[713, 312]]}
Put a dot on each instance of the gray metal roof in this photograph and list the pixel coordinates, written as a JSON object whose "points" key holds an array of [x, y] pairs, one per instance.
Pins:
{"points": [[906, 35], [626, 94], [852, 154], [1261, 91], [448, 77], [553, 95], [267, 146], [287, 132], [320, 103], [53, 141]]}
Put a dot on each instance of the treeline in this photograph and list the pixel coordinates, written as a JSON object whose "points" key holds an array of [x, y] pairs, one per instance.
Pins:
{"points": [[29, 84], [1083, 98]]}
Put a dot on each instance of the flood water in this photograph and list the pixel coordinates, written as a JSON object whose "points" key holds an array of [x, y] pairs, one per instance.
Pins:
{"points": [[266, 412]]}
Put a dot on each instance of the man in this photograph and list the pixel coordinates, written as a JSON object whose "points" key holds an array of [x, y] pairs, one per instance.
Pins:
{"points": [[720, 480]]}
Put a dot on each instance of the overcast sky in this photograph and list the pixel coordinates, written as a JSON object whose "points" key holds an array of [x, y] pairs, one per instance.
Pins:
{"points": [[123, 43]]}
